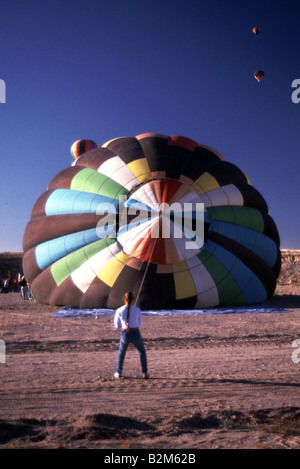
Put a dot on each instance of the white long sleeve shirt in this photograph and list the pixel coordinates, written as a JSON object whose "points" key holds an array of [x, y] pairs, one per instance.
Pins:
{"points": [[135, 317]]}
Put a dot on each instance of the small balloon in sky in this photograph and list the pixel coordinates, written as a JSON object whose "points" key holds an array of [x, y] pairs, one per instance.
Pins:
{"points": [[82, 146], [256, 30], [258, 75]]}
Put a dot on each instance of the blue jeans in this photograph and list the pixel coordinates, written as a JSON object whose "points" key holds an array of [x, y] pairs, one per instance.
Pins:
{"points": [[24, 293], [135, 338]]}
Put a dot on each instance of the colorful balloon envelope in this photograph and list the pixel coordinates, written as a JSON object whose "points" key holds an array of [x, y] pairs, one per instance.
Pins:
{"points": [[161, 216], [258, 75], [256, 30], [82, 146]]}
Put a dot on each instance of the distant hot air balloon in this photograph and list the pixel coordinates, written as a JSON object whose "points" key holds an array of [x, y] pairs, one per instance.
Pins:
{"points": [[82, 146], [256, 30], [72, 258], [258, 75]]}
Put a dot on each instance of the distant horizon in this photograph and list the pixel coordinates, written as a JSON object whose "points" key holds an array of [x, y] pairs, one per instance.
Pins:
{"points": [[21, 252]]}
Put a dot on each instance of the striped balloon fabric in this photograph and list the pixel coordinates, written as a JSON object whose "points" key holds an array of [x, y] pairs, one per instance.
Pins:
{"points": [[82, 146], [161, 216]]}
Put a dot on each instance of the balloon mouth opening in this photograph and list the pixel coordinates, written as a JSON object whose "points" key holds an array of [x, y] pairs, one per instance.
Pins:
{"points": [[163, 221]]}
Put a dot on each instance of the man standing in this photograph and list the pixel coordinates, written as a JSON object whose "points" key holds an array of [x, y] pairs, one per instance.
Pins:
{"points": [[128, 318], [23, 285]]}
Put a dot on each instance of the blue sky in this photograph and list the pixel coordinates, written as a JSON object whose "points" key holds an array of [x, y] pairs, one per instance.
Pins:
{"points": [[97, 69]]}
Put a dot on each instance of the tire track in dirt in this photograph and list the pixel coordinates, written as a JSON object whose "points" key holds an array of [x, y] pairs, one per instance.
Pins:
{"points": [[160, 343], [146, 397]]}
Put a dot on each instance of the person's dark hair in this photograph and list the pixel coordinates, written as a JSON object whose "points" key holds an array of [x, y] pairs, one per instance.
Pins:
{"points": [[128, 299]]}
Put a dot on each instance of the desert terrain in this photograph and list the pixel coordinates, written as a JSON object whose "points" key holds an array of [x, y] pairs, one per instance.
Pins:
{"points": [[216, 381]]}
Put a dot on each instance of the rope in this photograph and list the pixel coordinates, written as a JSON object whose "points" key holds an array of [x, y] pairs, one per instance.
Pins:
{"points": [[146, 270]]}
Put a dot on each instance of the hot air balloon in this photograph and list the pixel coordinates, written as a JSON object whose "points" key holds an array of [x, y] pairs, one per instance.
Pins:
{"points": [[82, 146], [258, 75], [256, 30], [98, 230]]}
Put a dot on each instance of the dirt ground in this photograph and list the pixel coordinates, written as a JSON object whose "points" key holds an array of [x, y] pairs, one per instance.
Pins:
{"points": [[216, 381]]}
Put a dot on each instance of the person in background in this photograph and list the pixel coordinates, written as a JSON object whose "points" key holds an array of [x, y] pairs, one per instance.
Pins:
{"points": [[128, 318], [29, 295], [23, 285]]}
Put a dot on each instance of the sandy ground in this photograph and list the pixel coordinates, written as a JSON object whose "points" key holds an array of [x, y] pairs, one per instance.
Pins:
{"points": [[217, 381]]}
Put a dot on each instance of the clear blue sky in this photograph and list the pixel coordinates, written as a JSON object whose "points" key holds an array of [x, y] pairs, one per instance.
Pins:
{"points": [[102, 69]]}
